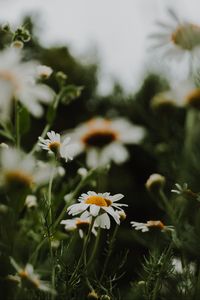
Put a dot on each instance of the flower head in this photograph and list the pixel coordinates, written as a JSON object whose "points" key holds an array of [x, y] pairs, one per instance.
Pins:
{"points": [[177, 38], [27, 276], [183, 93], [21, 170], [98, 205], [79, 224], [54, 145], [146, 226], [103, 140], [18, 82]]}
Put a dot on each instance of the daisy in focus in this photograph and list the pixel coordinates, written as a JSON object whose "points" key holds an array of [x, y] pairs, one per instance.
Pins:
{"points": [[98, 205], [54, 145], [177, 39], [144, 227], [18, 82], [103, 140], [21, 170]]}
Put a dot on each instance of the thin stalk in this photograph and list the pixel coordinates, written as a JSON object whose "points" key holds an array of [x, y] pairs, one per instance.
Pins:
{"points": [[35, 253], [73, 195], [95, 248], [17, 128], [109, 251], [84, 250], [50, 222], [167, 205]]}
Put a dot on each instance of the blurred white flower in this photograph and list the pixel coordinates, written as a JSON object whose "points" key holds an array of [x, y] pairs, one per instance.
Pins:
{"points": [[54, 145], [82, 172], [144, 227], [20, 169], [18, 82], [61, 171], [178, 39], [103, 140], [181, 94], [98, 205], [28, 277], [79, 224]]}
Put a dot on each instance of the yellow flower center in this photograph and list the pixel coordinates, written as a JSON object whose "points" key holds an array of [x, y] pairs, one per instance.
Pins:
{"points": [[186, 36], [193, 98], [54, 146], [98, 200], [18, 178], [156, 224], [23, 274], [33, 280]]}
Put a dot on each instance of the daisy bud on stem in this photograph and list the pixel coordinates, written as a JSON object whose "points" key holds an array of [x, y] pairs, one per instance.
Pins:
{"points": [[105, 297], [5, 27], [155, 183]]}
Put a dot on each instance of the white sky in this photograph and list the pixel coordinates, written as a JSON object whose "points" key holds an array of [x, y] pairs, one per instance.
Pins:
{"points": [[117, 28]]}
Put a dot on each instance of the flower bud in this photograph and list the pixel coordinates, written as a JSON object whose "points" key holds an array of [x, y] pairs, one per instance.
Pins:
{"points": [[44, 72], [92, 295], [61, 77], [105, 297], [31, 201], [5, 27], [17, 44], [122, 215], [82, 172], [155, 182]]}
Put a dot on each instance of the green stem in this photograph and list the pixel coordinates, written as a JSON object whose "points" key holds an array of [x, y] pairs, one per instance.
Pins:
{"points": [[50, 223], [73, 195], [95, 248], [35, 253], [109, 251], [84, 250], [17, 129]]}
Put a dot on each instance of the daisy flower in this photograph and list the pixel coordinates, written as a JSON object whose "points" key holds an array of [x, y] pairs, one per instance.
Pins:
{"points": [[178, 38], [21, 170], [18, 82], [144, 227], [28, 277], [54, 145], [103, 140], [183, 93], [98, 205], [79, 224]]}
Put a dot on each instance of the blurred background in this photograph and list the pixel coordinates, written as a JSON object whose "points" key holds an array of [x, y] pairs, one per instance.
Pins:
{"points": [[114, 33], [104, 47]]}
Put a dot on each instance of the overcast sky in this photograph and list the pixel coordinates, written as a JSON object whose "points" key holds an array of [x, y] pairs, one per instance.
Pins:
{"points": [[117, 28]]}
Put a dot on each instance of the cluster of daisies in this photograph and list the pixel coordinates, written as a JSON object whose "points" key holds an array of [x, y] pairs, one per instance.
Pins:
{"points": [[102, 140]]}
